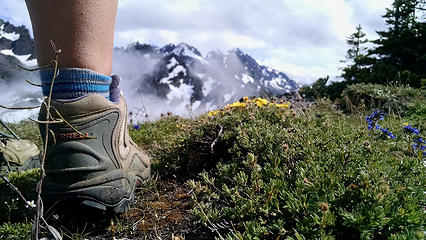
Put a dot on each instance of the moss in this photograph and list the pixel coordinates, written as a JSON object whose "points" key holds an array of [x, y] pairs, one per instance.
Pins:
{"points": [[15, 231]]}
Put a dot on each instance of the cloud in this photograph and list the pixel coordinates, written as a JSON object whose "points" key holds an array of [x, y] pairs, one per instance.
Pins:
{"points": [[298, 34], [15, 12], [306, 33]]}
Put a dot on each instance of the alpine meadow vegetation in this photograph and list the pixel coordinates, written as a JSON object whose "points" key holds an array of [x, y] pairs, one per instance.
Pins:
{"points": [[257, 169]]}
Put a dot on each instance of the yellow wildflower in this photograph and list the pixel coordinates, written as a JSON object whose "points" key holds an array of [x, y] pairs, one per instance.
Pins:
{"points": [[405, 124], [236, 105], [261, 102], [246, 99], [283, 105], [213, 113]]}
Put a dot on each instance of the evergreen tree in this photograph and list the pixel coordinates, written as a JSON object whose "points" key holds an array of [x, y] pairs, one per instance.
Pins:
{"points": [[356, 57], [317, 90], [356, 41], [400, 55]]}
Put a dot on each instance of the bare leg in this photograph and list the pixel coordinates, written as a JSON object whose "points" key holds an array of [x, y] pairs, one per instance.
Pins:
{"points": [[84, 168], [82, 29]]}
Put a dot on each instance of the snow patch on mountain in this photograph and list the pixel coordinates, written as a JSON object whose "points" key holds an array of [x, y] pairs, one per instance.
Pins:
{"points": [[10, 36], [173, 62], [22, 58], [175, 73], [246, 78], [184, 50]]}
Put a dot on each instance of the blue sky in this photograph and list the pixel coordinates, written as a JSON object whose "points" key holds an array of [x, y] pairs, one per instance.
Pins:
{"points": [[303, 38]]}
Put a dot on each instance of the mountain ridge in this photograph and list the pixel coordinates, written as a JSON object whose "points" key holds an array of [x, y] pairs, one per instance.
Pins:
{"points": [[174, 75], [233, 74]]}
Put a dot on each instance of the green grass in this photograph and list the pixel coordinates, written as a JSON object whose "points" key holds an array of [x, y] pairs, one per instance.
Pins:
{"points": [[269, 173]]}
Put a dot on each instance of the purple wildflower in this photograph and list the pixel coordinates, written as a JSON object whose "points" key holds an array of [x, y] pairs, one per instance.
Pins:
{"points": [[374, 118], [412, 130], [387, 132]]}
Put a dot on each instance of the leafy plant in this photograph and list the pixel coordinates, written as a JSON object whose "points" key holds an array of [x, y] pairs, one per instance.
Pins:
{"points": [[319, 175], [15, 231]]}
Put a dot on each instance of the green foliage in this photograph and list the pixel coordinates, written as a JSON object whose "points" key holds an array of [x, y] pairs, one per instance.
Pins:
{"points": [[356, 41], [356, 58], [320, 175], [317, 90], [26, 130], [408, 102], [161, 139], [398, 57], [15, 231], [12, 208], [401, 50]]}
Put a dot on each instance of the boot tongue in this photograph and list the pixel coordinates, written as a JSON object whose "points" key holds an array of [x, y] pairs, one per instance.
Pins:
{"points": [[114, 90]]}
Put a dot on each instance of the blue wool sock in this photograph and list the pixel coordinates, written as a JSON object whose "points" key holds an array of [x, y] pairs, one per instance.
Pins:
{"points": [[74, 83]]}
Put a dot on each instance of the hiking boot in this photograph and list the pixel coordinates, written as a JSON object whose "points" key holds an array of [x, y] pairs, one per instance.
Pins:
{"points": [[91, 160]]}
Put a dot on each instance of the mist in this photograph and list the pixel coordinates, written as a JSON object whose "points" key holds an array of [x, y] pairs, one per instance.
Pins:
{"points": [[219, 78], [16, 92], [131, 66], [219, 85]]}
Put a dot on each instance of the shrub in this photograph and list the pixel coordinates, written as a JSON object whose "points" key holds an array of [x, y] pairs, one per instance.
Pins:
{"points": [[162, 140], [407, 102], [392, 99], [320, 175]]}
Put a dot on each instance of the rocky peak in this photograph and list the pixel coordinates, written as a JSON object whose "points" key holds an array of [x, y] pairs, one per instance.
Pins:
{"points": [[143, 48], [16, 39], [182, 49]]}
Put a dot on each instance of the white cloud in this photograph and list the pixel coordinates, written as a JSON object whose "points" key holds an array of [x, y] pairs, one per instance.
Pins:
{"points": [[15, 12], [303, 74], [152, 36], [300, 37]]}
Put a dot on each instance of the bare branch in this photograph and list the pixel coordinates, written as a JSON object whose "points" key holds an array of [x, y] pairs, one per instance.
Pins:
{"points": [[18, 108], [34, 84]]}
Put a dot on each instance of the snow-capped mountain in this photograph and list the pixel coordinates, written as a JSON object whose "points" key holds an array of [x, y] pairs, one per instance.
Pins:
{"points": [[179, 74], [17, 48], [16, 42], [176, 78]]}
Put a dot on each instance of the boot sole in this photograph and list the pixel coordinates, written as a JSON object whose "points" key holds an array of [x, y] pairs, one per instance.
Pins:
{"points": [[115, 196]]}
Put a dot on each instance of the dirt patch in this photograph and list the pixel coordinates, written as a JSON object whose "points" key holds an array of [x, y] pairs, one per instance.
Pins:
{"points": [[161, 211]]}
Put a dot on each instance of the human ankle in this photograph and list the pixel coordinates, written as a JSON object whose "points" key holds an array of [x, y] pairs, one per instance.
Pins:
{"points": [[71, 83]]}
